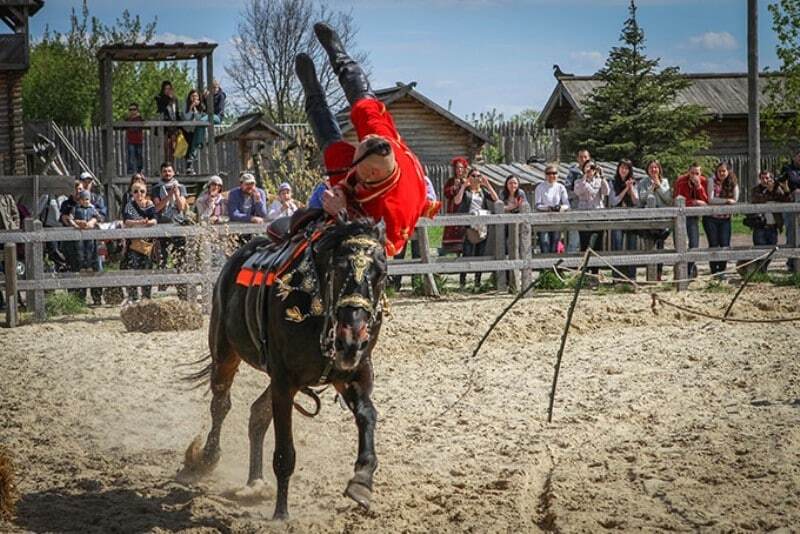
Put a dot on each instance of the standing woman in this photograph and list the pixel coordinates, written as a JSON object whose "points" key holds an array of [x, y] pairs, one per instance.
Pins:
{"points": [[474, 195], [138, 212], [591, 191], [656, 186], [722, 188], [453, 237], [167, 106], [195, 135], [513, 197], [550, 195], [624, 194]]}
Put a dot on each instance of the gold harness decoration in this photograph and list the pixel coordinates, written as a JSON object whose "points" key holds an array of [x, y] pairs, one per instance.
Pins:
{"points": [[361, 260], [355, 301], [295, 315]]}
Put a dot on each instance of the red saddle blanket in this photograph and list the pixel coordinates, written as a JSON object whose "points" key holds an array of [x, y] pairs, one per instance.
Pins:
{"points": [[264, 266]]}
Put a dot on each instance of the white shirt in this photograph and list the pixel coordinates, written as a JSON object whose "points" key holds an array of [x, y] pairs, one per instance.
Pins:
{"points": [[549, 195], [277, 210]]}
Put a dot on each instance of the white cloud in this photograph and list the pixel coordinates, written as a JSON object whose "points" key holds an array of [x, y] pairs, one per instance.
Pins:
{"points": [[169, 37], [714, 41], [588, 59]]}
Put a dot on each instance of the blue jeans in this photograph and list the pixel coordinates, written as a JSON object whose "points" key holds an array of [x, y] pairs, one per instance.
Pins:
{"points": [[718, 233], [135, 159], [765, 237], [693, 233], [788, 220], [624, 240], [548, 242]]}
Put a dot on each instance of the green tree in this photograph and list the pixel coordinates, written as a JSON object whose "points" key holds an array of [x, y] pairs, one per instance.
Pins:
{"points": [[783, 92], [634, 114], [63, 83]]}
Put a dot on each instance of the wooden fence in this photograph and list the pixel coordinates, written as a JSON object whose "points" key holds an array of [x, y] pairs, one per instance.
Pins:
{"points": [[509, 253]]}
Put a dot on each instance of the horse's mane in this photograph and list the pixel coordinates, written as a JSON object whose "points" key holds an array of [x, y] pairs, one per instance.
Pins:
{"points": [[337, 233]]}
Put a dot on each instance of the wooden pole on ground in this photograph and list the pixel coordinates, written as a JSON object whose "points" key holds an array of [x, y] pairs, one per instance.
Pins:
{"points": [[584, 267]]}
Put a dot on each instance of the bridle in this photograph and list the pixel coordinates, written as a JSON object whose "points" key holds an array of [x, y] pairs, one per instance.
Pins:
{"points": [[360, 259]]}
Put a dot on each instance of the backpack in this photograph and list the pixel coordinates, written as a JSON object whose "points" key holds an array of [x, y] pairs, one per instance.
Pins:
{"points": [[48, 209]]}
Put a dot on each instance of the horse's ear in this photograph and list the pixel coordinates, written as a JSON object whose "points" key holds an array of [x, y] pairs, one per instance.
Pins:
{"points": [[380, 231]]}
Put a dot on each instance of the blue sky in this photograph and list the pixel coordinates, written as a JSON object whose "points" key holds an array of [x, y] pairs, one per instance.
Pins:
{"points": [[481, 54]]}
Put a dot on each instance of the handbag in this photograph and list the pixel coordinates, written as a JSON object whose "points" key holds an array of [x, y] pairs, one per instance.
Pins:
{"points": [[755, 221], [142, 246], [181, 146]]}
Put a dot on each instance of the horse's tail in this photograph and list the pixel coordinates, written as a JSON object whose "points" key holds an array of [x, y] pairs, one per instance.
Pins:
{"points": [[201, 377]]}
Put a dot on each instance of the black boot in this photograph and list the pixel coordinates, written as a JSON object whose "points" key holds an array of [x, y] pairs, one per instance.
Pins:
{"points": [[323, 122], [352, 77]]}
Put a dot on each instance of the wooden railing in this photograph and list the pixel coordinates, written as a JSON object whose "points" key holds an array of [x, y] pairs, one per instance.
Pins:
{"points": [[511, 257]]}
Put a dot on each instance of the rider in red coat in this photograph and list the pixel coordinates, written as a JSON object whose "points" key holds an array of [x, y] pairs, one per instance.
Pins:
{"points": [[380, 177]]}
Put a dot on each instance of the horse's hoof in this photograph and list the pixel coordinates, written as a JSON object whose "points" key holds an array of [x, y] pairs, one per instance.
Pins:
{"points": [[280, 516], [359, 493]]}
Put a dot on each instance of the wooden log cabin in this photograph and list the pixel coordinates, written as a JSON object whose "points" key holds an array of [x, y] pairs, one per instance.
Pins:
{"points": [[431, 131], [723, 95]]}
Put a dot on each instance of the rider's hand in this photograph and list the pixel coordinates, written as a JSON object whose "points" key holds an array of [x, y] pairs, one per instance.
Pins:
{"points": [[334, 201]]}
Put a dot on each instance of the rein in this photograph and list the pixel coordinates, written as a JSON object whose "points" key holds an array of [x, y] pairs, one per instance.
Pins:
{"points": [[373, 307]]}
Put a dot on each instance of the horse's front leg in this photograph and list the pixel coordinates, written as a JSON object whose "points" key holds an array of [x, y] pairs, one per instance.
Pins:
{"points": [[357, 395], [283, 457]]}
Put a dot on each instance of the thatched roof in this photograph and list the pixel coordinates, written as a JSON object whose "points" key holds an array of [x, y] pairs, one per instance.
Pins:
{"points": [[724, 95], [532, 174]]}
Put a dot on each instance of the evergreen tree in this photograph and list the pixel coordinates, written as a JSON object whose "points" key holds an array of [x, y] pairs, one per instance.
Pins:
{"points": [[635, 114], [63, 83]]}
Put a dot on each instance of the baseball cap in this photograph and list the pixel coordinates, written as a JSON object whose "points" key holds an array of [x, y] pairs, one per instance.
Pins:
{"points": [[247, 178], [215, 180], [86, 176], [284, 185], [85, 194]]}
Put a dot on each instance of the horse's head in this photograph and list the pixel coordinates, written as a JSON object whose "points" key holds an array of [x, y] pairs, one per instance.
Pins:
{"points": [[351, 262]]}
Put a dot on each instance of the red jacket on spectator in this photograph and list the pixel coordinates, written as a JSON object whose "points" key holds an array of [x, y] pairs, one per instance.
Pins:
{"points": [[134, 136], [684, 188]]}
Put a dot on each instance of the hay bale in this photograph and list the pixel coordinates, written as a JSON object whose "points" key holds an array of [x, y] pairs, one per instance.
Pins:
{"points": [[162, 315], [113, 296], [8, 489]]}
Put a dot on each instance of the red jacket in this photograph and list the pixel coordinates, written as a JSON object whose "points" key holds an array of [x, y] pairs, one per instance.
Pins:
{"points": [[692, 194], [400, 199]]}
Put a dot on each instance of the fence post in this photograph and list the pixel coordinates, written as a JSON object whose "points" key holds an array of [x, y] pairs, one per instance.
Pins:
{"points": [[207, 291], [10, 269], [649, 244], [34, 270], [793, 235], [428, 280], [681, 238], [499, 232], [525, 246], [192, 250], [513, 254]]}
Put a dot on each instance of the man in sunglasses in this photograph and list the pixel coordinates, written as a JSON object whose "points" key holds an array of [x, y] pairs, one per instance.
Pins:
{"points": [[380, 177]]}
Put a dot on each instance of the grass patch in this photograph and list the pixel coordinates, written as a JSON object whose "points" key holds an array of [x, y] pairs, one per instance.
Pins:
{"points": [[390, 292], [418, 286], [715, 286], [620, 288], [792, 280], [63, 303], [738, 227], [435, 236], [548, 280], [759, 277]]}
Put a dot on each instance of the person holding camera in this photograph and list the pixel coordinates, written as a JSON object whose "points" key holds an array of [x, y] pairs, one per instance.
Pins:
{"points": [[550, 195], [284, 205], [591, 191], [475, 196], [623, 193], [767, 226]]}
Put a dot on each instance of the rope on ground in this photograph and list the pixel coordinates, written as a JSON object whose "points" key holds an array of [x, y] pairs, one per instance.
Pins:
{"points": [[658, 300]]}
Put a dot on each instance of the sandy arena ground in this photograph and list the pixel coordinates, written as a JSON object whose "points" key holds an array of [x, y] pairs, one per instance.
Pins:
{"points": [[662, 422]]}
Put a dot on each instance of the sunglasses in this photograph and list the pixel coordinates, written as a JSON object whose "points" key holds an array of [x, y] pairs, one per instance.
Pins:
{"points": [[551, 174], [134, 191], [475, 175]]}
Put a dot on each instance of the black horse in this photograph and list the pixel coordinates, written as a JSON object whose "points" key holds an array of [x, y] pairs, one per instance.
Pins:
{"points": [[317, 322]]}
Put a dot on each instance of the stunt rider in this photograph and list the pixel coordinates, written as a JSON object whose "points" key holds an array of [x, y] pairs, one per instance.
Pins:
{"points": [[381, 177]]}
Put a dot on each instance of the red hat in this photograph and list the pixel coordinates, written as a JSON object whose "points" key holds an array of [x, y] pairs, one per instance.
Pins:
{"points": [[459, 159]]}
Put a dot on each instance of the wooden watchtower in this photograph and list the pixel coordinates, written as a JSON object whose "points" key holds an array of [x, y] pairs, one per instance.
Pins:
{"points": [[107, 55], [14, 61]]}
